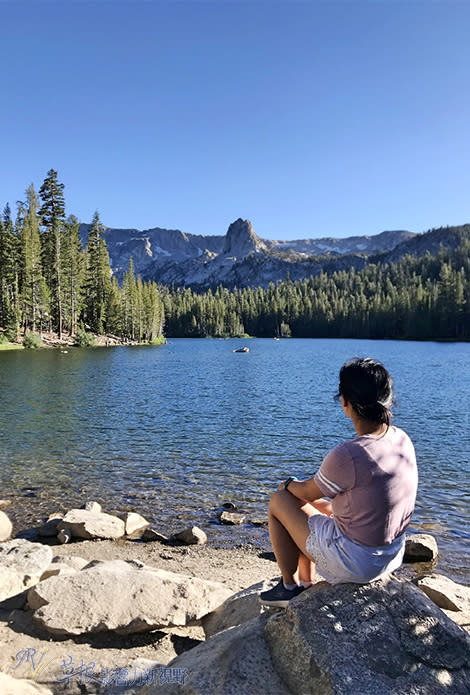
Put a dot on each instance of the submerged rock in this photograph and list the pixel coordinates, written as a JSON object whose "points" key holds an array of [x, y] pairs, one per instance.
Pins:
{"points": [[232, 518]]}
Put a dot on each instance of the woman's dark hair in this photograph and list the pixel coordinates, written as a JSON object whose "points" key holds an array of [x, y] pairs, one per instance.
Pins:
{"points": [[367, 385]]}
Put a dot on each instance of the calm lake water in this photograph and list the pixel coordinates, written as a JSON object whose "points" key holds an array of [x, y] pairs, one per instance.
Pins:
{"points": [[174, 431]]}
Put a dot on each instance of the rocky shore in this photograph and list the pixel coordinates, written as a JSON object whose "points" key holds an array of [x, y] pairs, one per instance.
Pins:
{"points": [[103, 603]]}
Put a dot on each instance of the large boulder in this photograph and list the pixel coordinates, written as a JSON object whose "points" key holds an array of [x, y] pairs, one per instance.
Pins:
{"points": [[22, 563], [21, 686], [235, 662], [382, 638], [6, 527], [121, 596], [385, 638], [86, 525]]}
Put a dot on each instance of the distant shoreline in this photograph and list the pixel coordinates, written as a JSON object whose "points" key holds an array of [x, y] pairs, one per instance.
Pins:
{"points": [[50, 340], [113, 341]]}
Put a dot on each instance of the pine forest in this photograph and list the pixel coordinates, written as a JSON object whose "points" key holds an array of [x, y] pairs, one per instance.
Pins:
{"points": [[49, 282]]}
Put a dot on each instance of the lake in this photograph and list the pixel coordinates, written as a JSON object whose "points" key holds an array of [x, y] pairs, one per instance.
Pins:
{"points": [[174, 431]]}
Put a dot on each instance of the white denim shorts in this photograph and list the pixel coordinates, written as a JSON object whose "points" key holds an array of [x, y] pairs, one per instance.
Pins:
{"points": [[339, 559]]}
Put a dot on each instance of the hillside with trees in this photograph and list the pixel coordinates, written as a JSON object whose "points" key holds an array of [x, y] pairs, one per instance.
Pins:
{"points": [[421, 299], [50, 280]]}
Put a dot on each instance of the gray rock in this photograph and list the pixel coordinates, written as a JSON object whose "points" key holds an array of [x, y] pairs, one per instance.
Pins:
{"points": [[22, 563], [49, 528], [64, 535], [24, 557], [445, 593], [21, 686], [6, 527], [232, 518], [122, 596], [230, 506], [190, 536], [133, 522], [150, 535], [383, 638], [73, 561], [412, 571], [237, 609], [56, 569], [11, 583], [235, 662], [91, 506], [87, 525], [259, 522], [421, 547]]}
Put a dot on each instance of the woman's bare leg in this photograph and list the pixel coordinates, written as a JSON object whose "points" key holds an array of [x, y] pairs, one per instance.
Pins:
{"points": [[323, 506], [288, 529]]}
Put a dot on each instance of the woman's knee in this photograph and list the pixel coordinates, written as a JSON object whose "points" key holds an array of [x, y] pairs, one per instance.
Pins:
{"points": [[276, 500], [281, 499]]}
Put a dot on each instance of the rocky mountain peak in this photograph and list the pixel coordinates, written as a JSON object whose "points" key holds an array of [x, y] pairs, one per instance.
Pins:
{"points": [[242, 240]]}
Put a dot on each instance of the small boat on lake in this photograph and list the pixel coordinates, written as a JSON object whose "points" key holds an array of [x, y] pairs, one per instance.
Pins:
{"points": [[241, 349]]}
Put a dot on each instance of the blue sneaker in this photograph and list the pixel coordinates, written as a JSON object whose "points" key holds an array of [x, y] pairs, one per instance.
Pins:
{"points": [[278, 596]]}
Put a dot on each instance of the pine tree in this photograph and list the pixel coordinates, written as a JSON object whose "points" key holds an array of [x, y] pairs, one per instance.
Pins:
{"points": [[98, 278], [52, 215], [9, 268], [32, 290], [130, 302], [73, 276]]}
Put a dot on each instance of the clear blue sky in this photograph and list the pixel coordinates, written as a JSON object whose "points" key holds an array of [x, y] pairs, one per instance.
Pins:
{"points": [[314, 118]]}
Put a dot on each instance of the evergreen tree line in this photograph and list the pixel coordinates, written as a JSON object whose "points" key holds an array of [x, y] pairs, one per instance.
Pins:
{"points": [[49, 282], [415, 298]]}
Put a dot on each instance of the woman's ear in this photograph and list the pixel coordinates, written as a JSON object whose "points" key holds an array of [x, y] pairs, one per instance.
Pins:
{"points": [[346, 406]]}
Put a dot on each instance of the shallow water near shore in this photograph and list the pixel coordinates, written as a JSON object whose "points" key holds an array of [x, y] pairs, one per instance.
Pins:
{"points": [[174, 431]]}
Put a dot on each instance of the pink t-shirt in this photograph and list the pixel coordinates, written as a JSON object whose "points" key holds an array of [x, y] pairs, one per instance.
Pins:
{"points": [[372, 482]]}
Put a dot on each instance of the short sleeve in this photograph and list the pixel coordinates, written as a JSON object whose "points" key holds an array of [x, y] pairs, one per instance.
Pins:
{"points": [[337, 472]]}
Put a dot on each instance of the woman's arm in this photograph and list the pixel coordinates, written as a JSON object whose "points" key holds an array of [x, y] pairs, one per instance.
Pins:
{"points": [[306, 490]]}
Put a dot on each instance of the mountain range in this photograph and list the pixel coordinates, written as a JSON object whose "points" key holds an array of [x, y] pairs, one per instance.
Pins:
{"points": [[240, 258]]}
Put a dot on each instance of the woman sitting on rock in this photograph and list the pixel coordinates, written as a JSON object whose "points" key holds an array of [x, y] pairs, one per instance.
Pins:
{"points": [[371, 481]]}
